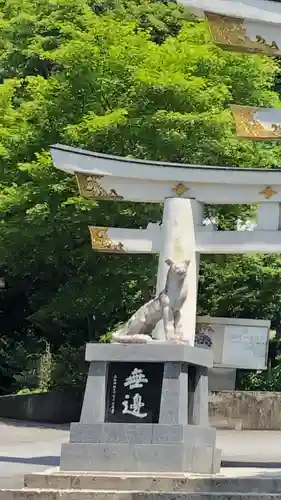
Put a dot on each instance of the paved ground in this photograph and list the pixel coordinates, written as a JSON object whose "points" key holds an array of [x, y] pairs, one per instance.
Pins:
{"points": [[250, 448], [26, 447]]}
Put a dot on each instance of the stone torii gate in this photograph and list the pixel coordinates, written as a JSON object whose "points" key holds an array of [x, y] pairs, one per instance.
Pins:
{"points": [[184, 189]]}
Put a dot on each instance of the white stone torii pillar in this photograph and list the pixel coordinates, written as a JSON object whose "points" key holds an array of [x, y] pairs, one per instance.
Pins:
{"points": [[180, 217]]}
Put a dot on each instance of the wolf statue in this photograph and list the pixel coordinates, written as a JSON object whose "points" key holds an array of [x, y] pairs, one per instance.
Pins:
{"points": [[167, 306]]}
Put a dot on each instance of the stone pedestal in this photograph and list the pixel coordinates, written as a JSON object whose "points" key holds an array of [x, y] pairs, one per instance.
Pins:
{"points": [[145, 410]]}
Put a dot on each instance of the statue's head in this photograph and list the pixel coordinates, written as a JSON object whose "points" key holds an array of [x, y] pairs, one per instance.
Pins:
{"points": [[179, 269]]}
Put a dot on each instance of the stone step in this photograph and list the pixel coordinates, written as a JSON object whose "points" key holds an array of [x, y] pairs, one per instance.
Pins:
{"points": [[53, 494], [153, 483]]}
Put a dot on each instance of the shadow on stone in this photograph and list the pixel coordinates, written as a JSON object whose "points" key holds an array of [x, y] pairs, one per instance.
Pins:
{"points": [[252, 465], [47, 460], [39, 425]]}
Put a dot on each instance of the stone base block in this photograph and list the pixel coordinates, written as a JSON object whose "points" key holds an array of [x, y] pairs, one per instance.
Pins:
{"points": [[256, 483], [120, 433], [145, 410], [139, 458], [32, 494], [140, 448]]}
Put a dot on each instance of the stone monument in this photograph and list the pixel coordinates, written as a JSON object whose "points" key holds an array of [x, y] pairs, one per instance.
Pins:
{"points": [[146, 401], [145, 410]]}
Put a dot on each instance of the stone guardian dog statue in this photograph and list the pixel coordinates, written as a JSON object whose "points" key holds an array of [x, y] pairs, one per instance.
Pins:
{"points": [[167, 306]]}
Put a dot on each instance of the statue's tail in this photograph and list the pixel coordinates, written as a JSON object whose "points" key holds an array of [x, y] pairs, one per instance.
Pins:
{"points": [[130, 339]]}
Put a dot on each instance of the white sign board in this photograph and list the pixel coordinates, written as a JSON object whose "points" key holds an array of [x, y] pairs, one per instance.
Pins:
{"points": [[245, 347], [236, 343]]}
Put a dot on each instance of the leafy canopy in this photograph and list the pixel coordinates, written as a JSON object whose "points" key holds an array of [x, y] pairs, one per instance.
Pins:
{"points": [[137, 78]]}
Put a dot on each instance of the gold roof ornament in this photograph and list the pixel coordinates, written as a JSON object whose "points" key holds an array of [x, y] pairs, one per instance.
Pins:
{"points": [[257, 123], [241, 35]]}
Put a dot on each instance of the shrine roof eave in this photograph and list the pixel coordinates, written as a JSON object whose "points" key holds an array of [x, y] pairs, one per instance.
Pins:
{"points": [[256, 10], [76, 160]]}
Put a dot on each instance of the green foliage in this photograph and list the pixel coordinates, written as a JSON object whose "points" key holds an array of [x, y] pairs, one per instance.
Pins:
{"points": [[45, 369], [106, 338], [89, 74], [269, 380], [159, 18], [25, 392], [69, 367], [266, 380], [18, 363], [242, 286], [31, 367]]}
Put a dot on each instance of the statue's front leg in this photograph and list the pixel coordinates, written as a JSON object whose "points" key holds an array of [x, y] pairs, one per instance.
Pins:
{"points": [[178, 327], [178, 324], [168, 320]]}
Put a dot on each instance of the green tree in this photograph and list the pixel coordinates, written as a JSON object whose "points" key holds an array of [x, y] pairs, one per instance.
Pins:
{"points": [[80, 73], [242, 286], [30, 28]]}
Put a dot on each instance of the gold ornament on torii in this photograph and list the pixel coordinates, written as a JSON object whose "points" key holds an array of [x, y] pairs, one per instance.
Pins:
{"points": [[101, 241], [231, 33], [248, 126], [180, 189], [89, 187], [268, 192]]}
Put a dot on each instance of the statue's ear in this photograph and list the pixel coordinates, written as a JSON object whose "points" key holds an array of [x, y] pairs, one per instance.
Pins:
{"points": [[187, 262], [169, 262]]}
